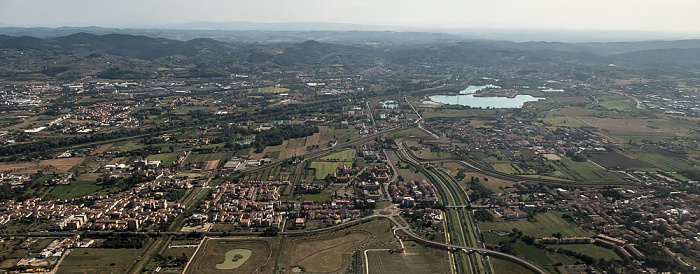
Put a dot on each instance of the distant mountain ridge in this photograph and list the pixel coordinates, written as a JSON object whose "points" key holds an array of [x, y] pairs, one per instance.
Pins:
{"points": [[266, 33], [212, 57]]}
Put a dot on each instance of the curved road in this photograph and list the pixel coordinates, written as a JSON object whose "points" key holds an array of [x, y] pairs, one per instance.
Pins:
{"points": [[392, 217], [483, 251], [407, 230]]}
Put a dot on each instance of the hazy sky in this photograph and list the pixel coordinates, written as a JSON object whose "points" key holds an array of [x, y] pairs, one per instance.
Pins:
{"points": [[646, 15]]}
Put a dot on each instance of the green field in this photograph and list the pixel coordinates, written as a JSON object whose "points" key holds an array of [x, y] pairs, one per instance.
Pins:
{"points": [[296, 143], [626, 104], [506, 267], [494, 239], [166, 159], [74, 189], [545, 225], [585, 171], [597, 252], [416, 259], [196, 157], [127, 145], [99, 260], [39, 246], [665, 163], [626, 136], [318, 198], [505, 168], [565, 121], [325, 168], [347, 155], [539, 256]]}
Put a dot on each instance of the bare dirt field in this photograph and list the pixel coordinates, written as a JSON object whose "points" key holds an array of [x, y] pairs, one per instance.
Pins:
{"points": [[296, 146], [269, 150], [330, 254], [89, 176], [211, 165], [51, 165], [313, 139], [101, 149]]}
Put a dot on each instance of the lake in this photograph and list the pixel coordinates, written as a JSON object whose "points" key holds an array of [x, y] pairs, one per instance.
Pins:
{"points": [[466, 98]]}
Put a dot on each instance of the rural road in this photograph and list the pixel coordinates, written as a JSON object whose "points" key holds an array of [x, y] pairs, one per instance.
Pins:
{"points": [[394, 214]]}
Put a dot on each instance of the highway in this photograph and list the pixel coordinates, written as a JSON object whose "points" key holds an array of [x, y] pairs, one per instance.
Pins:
{"points": [[456, 215], [449, 189]]}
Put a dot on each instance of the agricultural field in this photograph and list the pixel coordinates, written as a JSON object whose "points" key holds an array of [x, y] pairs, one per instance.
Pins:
{"points": [[127, 145], [209, 161], [621, 136], [500, 266], [616, 160], [505, 168], [325, 134], [313, 139], [322, 169], [270, 151], [166, 159], [99, 260], [660, 159], [563, 121], [266, 174], [332, 252], [494, 184], [495, 237], [296, 146], [539, 256], [288, 149], [347, 155], [101, 149], [545, 224], [196, 157], [597, 252], [74, 189], [329, 164], [214, 256], [47, 166], [268, 90], [584, 171], [416, 259]]}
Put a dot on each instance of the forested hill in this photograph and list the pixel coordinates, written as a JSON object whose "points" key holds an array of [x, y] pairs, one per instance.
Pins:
{"points": [[130, 56]]}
